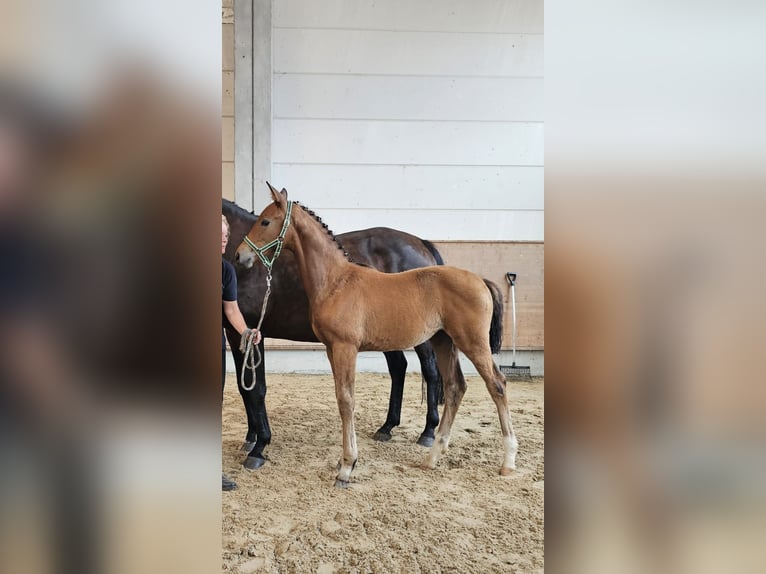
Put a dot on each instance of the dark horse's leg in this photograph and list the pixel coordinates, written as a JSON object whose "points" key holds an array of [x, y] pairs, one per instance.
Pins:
{"points": [[397, 367], [255, 400], [434, 392]]}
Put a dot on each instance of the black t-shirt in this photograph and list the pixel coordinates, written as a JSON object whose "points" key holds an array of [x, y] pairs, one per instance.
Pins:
{"points": [[21, 275], [26, 277], [229, 287]]}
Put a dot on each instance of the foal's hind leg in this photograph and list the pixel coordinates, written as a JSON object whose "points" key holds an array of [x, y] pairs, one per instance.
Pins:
{"points": [[454, 389], [496, 385], [343, 362]]}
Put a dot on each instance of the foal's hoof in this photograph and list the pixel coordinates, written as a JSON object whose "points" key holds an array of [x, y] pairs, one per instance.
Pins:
{"points": [[341, 483], [247, 446], [426, 440], [382, 436], [254, 462], [425, 465], [505, 471]]}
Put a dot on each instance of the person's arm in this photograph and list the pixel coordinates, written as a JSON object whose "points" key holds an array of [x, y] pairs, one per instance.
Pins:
{"points": [[234, 315]]}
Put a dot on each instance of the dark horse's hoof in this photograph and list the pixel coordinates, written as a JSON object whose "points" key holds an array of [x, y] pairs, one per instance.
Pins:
{"points": [[254, 462], [247, 446], [341, 483], [426, 440], [381, 436]]}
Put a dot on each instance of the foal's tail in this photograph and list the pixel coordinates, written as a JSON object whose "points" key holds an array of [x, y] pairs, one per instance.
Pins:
{"points": [[496, 326]]}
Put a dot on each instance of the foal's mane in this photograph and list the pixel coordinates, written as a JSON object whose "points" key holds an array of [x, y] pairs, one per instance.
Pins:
{"points": [[328, 230]]}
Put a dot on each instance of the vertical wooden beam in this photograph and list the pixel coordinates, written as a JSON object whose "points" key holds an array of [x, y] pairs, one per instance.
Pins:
{"points": [[252, 102], [243, 103], [261, 112]]}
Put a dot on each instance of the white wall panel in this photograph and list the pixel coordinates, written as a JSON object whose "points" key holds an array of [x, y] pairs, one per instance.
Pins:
{"points": [[415, 187], [409, 53], [488, 16], [429, 143], [424, 115], [489, 225], [408, 97]]}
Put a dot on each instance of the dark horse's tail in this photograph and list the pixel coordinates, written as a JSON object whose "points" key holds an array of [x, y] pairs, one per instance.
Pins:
{"points": [[496, 326], [435, 252]]}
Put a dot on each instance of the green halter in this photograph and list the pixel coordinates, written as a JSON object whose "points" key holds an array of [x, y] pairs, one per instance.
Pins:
{"points": [[260, 251]]}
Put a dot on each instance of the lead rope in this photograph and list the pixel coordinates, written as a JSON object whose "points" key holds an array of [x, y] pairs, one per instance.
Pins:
{"points": [[249, 361]]}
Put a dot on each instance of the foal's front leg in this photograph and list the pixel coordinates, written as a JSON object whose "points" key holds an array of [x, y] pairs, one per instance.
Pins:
{"points": [[343, 362]]}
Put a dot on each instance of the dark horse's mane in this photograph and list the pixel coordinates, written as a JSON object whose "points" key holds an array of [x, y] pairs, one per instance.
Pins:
{"points": [[236, 207]]}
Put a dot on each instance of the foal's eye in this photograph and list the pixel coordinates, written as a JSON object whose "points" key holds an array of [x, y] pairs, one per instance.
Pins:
{"points": [[265, 222]]}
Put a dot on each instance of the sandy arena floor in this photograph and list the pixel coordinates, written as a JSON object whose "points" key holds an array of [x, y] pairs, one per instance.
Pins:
{"points": [[461, 517]]}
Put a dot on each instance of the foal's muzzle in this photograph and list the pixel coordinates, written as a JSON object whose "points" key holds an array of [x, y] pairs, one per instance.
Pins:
{"points": [[244, 257]]}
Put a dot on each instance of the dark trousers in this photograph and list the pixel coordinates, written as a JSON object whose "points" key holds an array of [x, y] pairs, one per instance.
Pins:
{"points": [[223, 372]]}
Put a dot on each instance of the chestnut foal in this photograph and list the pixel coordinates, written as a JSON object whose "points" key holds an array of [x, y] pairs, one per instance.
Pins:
{"points": [[355, 308]]}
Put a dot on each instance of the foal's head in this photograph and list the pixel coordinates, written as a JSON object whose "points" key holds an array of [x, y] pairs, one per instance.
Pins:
{"points": [[273, 229], [267, 233]]}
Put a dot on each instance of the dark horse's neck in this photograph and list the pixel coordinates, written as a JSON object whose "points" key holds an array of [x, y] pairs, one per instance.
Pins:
{"points": [[321, 259]]}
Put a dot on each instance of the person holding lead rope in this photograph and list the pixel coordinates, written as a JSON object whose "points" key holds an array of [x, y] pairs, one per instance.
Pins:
{"points": [[232, 312]]}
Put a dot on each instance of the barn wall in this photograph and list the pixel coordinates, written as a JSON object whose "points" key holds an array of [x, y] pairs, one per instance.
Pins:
{"points": [[426, 116], [492, 261]]}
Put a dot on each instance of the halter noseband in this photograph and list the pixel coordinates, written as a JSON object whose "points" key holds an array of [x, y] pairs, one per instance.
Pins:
{"points": [[277, 242]]}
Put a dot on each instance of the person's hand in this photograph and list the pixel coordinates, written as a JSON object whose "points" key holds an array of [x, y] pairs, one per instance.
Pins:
{"points": [[253, 335]]}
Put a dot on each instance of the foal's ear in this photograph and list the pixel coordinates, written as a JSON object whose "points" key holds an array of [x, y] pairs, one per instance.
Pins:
{"points": [[279, 197]]}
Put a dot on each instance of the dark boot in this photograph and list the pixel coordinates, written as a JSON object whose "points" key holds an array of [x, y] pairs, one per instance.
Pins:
{"points": [[227, 483]]}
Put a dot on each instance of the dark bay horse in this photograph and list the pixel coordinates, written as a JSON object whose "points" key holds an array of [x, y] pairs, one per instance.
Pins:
{"points": [[287, 317], [356, 308]]}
